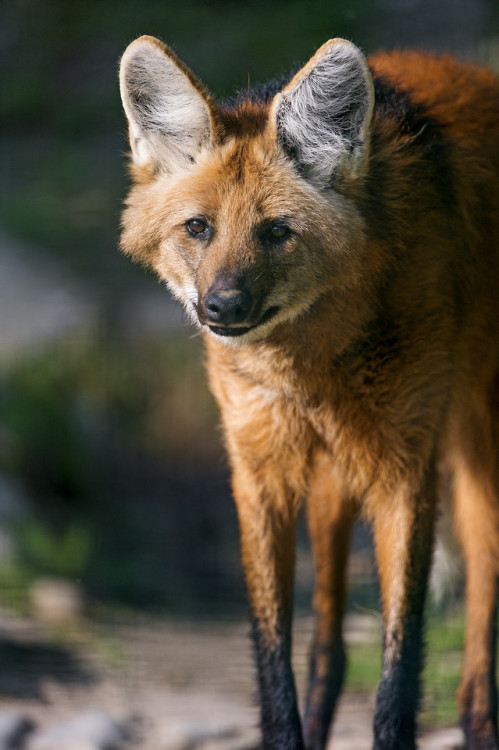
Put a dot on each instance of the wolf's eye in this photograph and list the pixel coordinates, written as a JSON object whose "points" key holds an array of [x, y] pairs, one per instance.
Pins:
{"points": [[278, 231], [196, 226]]}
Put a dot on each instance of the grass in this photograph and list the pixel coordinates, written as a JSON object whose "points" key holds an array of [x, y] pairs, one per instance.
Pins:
{"points": [[444, 641]]}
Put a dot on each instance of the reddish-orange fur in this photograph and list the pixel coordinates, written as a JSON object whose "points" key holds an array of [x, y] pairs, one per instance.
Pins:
{"points": [[387, 384]]}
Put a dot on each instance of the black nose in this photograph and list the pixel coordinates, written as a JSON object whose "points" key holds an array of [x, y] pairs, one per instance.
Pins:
{"points": [[227, 306]]}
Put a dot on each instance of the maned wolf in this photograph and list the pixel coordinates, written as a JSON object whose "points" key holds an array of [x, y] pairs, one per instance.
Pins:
{"points": [[335, 236]]}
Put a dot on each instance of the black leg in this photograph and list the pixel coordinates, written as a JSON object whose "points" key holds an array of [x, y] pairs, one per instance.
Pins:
{"points": [[403, 530]]}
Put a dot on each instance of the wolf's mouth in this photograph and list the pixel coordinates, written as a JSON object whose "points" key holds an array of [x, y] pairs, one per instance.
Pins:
{"points": [[240, 331]]}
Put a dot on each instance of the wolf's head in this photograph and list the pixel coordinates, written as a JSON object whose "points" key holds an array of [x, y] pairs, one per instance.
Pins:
{"points": [[245, 212]]}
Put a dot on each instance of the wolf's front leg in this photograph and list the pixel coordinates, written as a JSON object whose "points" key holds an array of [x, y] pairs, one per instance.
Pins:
{"points": [[403, 523], [267, 527]]}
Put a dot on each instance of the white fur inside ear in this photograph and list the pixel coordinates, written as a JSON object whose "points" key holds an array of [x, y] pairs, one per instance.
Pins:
{"points": [[323, 115], [168, 117]]}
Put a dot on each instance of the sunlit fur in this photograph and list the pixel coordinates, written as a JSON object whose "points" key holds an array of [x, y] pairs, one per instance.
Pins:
{"points": [[311, 116], [375, 386]]}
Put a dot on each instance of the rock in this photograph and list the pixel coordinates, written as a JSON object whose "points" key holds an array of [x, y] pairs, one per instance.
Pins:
{"points": [[359, 741], [235, 743], [56, 601], [444, 739], [14, 729], [88, 731], [185, 735], [66, 744]]}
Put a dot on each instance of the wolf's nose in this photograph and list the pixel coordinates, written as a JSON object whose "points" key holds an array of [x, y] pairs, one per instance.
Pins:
{"points": [[227, 306]]}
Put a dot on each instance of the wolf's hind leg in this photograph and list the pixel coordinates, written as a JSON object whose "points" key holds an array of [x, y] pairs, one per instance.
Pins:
{"points": [[476, 486], [330, 517]]}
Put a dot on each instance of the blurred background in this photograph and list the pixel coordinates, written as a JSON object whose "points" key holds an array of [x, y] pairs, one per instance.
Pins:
{"points": [[119, 554]]}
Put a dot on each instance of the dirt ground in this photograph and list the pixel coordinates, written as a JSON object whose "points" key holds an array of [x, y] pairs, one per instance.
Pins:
{"points": [[162, 684]]}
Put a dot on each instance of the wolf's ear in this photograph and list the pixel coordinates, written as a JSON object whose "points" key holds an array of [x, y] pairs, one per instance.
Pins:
{"points": [[322, 117], [170, 115]]}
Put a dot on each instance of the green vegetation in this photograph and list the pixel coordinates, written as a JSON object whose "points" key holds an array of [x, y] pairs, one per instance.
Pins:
{"points": [[65, 405], [442, 673], [444, 651], [95, 429], [47, 552]]}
